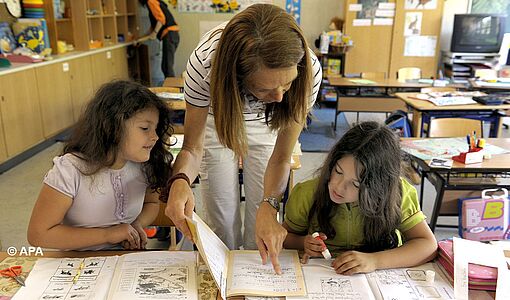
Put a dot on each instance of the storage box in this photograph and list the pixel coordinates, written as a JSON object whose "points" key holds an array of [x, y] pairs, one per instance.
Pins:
{"points": [[486, 218], [474, 156]]}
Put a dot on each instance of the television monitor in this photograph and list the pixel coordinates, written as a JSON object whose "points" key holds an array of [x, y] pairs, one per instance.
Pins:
{"points": [[478, 33]]}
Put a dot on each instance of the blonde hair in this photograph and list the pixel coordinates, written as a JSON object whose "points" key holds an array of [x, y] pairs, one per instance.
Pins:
{"points": [[263, 35]]}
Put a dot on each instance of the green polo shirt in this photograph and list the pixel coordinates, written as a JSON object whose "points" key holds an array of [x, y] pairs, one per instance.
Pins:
{"points": [[348, 223]]}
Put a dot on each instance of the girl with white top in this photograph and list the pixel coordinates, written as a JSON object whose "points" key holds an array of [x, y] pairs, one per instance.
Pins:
{"points": [[104, 187]]}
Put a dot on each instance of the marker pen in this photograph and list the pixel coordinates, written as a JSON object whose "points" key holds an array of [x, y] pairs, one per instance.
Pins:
{"points": [[325, 253]]}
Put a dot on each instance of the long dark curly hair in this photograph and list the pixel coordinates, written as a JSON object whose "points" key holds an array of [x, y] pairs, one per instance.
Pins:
{"points": [[97, 136], [377, 152]]}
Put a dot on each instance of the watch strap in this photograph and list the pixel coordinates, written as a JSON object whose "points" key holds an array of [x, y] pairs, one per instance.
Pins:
{"points": [[273, 201]]}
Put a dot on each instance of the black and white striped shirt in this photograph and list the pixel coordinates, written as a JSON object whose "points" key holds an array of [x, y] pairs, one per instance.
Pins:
{"points": [[198, 77]]}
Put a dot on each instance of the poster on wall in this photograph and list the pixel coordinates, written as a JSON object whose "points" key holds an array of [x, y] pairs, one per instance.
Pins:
{"points": [[421, 4], [215, 6], [368, 8], [412, 23], [420, 45], [293, 7]]}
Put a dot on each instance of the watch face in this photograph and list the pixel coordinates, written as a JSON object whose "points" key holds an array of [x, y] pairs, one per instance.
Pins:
{"points": [[14, 7]]}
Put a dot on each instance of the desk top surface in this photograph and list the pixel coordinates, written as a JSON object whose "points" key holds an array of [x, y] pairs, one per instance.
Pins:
{"points": [[496, 86], [418, 104], [174, 82], [498, 162]]}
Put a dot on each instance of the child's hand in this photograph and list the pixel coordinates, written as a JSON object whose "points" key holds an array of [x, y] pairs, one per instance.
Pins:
{"points": [[141, 233], [353, 262], [313, 247], [123, 232]]}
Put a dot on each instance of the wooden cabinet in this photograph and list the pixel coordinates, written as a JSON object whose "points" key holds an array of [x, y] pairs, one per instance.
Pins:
{"points": [[109, 65], [120, 63], [102, 68], [89, 24], [81, 84], [41, 101], [3, 149], [56, 105], [20, 110]]}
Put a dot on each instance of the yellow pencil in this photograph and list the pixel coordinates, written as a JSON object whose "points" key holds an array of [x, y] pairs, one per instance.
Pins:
{"points": [[78, 273]]}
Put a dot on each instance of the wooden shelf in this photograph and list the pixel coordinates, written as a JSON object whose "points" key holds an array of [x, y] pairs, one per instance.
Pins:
{"points": [[113, 18]]}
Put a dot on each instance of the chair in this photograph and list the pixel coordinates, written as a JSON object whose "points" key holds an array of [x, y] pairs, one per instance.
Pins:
{"points": [[454, 127], [410, 73], [486, 74], [163, 221]]}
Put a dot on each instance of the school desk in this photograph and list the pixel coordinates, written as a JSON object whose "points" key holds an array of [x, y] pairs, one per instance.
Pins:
{"points": [[352, 96], [207, 289], [490, 87], [491, 173], [175, 82], [424, 111]]}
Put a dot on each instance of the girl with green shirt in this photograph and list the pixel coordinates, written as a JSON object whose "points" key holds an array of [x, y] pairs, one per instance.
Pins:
{"points": [[360, 205]]}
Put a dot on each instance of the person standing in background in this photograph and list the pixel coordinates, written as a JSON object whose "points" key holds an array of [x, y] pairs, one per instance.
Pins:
{"points": [[165, 29]]}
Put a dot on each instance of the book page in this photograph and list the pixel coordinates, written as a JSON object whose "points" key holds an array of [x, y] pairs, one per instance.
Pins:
{"points": [[248, 276], [52, 278], [466, 252], [155, 275], [323, 283], [410, 284], [213, 251]]}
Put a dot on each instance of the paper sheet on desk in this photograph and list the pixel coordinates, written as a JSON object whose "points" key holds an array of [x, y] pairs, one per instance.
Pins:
{"points": [[396, 284], [53, 277], [362, 81], [426, 149], [467, 251], [446, 100], [322, 283]]}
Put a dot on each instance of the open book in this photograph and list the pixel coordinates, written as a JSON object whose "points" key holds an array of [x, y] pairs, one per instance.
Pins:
{"points": [[251, 277], [137, 276], [393, 284]]}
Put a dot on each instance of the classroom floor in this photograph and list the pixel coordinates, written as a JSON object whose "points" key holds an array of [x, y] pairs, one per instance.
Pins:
{"points": [[19, 188]]}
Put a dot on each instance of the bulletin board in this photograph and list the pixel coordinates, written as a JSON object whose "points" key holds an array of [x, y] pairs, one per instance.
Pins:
{"points": [[416, 35], [387, 39], [372, 43]]}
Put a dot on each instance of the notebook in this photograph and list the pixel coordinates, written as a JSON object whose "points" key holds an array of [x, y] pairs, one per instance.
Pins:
{"points": [[479, 277]]}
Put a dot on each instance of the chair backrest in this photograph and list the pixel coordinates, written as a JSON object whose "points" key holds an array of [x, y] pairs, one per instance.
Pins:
{"points": [[437, 89], [404, 74], [486, 74], [373, 75], [163, 221], [454, 127]]}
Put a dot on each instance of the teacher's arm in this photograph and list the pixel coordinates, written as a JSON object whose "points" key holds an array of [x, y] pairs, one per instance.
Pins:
{"points": [[181, 201], [270, 234]]}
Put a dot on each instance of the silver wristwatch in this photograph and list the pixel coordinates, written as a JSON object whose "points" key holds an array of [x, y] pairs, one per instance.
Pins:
{"points": [[273, 201]]}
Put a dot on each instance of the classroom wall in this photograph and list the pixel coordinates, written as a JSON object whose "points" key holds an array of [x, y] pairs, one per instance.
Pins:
{"points": [[315, 17], [451, 8]]}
